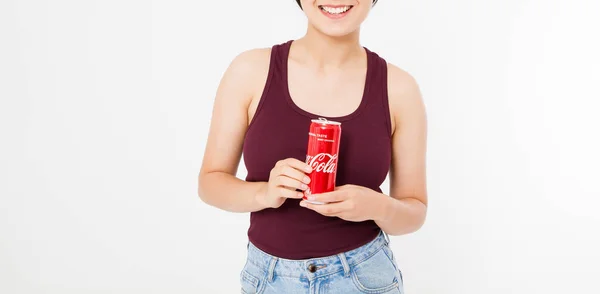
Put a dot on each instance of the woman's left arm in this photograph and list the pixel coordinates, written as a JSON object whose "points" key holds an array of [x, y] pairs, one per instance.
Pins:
{"points": [[405, 211]]}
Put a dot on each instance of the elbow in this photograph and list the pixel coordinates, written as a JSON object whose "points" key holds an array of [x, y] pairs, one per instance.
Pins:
{"points": [[202, 193], [418, 219], [421, 215], [407, 228], [410, 220]]}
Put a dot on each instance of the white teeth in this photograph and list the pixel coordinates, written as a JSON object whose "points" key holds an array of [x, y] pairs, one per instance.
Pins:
{"points": [[335, 10]]}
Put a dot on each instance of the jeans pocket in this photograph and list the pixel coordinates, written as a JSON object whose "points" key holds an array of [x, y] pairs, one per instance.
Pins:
{"points": [[390, 254], [248, 282], [376, 275], [252, 278]]}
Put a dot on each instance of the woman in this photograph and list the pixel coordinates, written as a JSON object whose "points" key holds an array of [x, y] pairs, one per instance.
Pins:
{"points": [[263, 108]]}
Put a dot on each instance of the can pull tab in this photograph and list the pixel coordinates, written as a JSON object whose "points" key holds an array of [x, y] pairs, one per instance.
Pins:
{"points": [[324, 121]]}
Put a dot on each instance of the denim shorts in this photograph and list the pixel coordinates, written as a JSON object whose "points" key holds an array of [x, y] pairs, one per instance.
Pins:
{"points": [[370, 268]]}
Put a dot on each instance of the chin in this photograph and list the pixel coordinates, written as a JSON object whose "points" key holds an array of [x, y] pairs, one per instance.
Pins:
{"points": [[337, 32]]}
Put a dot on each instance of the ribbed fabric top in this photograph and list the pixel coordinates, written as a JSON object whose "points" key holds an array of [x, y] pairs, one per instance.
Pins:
{"points": [[279, 130]]}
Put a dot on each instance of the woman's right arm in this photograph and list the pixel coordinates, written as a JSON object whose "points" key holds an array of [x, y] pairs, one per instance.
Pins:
{"points": [[217, 184]]}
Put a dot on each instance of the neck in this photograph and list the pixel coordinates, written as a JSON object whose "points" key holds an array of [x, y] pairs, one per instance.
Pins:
{"points": [[327, 51]]}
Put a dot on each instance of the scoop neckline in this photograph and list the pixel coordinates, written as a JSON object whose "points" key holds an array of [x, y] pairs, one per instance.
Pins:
{"points": [[298, 109]]}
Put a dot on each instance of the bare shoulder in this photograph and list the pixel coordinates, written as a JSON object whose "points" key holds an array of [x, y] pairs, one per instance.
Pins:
{"points": [[247, 62], [247, 73], [404, 95]]}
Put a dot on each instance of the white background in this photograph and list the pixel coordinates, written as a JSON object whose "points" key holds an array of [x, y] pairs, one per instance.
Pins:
{"points": [[105, 108]]}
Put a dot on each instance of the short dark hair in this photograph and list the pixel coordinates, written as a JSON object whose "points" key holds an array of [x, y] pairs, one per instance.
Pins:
{"points": [[300, 5]]}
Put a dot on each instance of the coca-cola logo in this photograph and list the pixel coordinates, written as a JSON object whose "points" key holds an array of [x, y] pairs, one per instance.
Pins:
{"points": [[322, 162]]}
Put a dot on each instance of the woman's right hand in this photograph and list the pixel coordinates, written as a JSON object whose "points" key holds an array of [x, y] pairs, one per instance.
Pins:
{"points": [[288, 176]]}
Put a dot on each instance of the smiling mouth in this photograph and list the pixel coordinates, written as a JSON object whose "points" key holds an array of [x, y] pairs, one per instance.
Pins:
{"points": [[335, 10]]}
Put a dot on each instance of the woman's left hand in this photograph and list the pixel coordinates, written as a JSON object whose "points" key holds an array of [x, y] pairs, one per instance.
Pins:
{"points": [[348, 202]]}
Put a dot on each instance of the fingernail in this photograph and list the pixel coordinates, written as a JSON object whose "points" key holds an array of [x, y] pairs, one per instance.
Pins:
{"points": [[304, 187], [300, 195], [302, 203], [307, 180]]}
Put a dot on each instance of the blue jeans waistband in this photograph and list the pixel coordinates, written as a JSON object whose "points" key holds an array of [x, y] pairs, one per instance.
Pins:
{"points": [[315, 267]]}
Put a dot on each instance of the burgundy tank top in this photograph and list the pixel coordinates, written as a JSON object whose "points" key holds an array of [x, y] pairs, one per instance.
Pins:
{"points": [[279, 130]]}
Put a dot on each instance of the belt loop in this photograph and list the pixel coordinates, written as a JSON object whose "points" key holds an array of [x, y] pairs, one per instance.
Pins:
{"points": [[386, 237], [272, 268], [344, 262]]}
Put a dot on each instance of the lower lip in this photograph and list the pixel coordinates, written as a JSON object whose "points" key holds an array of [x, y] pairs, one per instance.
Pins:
{"points": [[335, 16]]}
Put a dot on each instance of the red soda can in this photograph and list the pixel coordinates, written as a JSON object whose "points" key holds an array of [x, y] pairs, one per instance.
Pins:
{"points": [[322, 156]]}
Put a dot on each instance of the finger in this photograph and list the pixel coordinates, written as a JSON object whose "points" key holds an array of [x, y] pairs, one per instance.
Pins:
{"points": [[329, 197], [287, 193], [288, 171], [330, 209], [297, 164], [286, 181]]}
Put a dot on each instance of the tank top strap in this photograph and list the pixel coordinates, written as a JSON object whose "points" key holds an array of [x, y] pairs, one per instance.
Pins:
{"points": [[274, 84], [378, 88], [278, 65]]}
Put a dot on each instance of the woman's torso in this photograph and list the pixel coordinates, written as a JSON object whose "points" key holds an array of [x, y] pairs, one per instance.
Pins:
{"points": [[278, 129]]}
